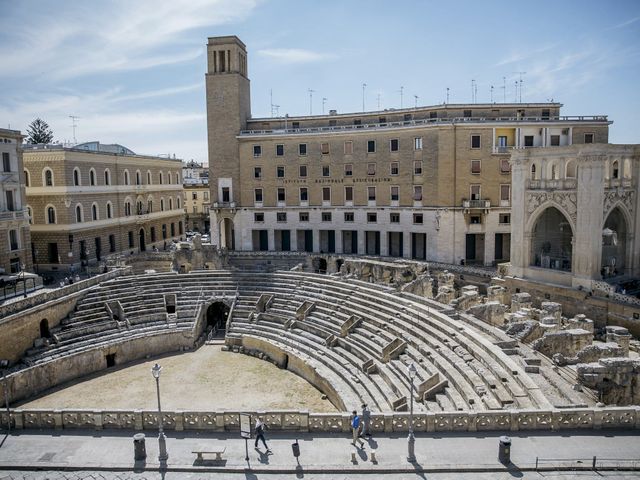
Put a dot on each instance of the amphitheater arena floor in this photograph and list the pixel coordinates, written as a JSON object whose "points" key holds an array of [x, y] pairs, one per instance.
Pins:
{"points": [[204, 380]]}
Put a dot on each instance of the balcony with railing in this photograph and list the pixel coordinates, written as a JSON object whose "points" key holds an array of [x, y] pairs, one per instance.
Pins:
{"points": [[503, 149], [9, 178], [476, 204], [7, 215], [556, 184], [618, 183], [288, 130]]}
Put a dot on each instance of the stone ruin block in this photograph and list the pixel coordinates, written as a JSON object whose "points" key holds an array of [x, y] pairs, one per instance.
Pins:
{"points": [[349, 325], [264, 302], [421, 286], [497, 293], [445, 279], [520, 301], [580, 321], [526, 331], [468, 298], [553, 310], [619, 335], [566, 342], [445, 294], [491, 312], [616, 379]]}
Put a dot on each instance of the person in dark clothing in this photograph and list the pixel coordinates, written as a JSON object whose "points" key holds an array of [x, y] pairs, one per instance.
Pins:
{"points": [[260, 434]]}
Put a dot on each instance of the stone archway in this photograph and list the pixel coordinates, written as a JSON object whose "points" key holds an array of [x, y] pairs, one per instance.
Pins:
{"points": [[216, 317], [614, 244], [551, 241]]}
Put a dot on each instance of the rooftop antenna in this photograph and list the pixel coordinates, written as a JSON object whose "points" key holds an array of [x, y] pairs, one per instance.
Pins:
{"points": [[447, 95], [491, 93], [504, 89], [515, 98], [310, 101], [364, 85], [274, 107], [401, 96], [378, 100], [473, 90], [74, 125], [415, 98], [521, 82], [324, 99]]}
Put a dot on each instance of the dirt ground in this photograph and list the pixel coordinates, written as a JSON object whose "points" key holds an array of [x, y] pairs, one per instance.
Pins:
{"points": [[207, 379]]}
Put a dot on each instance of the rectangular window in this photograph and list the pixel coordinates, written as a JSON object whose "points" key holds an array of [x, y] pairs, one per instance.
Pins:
{"points": [[332, 123], [475, 167], [112, 243], [555, 140], [303, 216], [303, 171], [505, 193], [348, 147], [505, 166], [304, 194], [281, 194], [295, 125], [371, 146], [13, 239], [326, 216], [475, 220], [417, 168], [6, 162], [131, 239], [302, 149], [394, 218], [394, 145], [504, 219], [257, 150], [475, 141], [226, 194], [258, 194], [466, 113], [371, 194], [281, 216], [280, 171], [546, 113], [348, 217], [417, 193], [194, 195], [528, 140], [588, 138], [395, 194], [433, 114], [326, 171], [348, 194], [371, 169], [408, 117], [382, 121], [348, 170], [195, 209], [279, 150], [394, 168], [418, 218], [258, 217], [417, 143], [372, 217], [357, 121], [324, 148], [475, 192], [326, 194]]}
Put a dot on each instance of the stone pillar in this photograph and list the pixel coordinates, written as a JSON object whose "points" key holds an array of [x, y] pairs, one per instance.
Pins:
{"points": [[552, 310], [271, 239], [587, 249], [619, 335], [315, 233], [520, 301], [519, 247], [339, 242]]}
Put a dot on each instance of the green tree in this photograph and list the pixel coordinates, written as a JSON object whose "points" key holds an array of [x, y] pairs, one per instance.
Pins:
{"points": [[39, 132]]}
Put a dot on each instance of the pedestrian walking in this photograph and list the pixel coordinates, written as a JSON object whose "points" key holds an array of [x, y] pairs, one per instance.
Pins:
{"points": [[355, 428], [366, 421], [260, 427]]}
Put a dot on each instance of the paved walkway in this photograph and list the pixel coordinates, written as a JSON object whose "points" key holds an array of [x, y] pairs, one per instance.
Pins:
{"points": [[321, 455]]}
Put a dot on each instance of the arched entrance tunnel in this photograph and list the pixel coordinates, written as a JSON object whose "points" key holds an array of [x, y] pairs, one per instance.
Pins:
{"points": [[217, 318]]}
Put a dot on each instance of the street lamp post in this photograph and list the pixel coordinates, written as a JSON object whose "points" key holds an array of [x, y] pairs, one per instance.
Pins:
{"points": [[162, 442], [4, 364], [411, 457], [24, 280]]}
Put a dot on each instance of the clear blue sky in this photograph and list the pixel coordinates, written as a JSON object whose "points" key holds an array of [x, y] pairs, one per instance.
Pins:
{"points": [[133, 71]]}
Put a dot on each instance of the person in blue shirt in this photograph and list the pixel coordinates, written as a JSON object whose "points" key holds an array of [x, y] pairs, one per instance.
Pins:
{"points": [[355, 428]]}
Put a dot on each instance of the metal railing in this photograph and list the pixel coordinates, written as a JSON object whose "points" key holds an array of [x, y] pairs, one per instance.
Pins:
{"points": [[425, 121], [482, 203], [594, 463]]}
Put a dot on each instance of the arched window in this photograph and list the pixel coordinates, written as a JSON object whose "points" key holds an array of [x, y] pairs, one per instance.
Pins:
{"points": [[162, 204], [169, 179], [30, 215], [178, 202], [148, 177], [48, 177], [554, 172], [76, 176], [180, 227], [127, 207], [27, 179], [126, 177], [92, 177], [78, 213], [572, 170], [138, 178], [51, 215], [164, 231], [160, 178], [109, 210], [627, 169], [149, 205], [139, 209], [533, 172], [107, 177], [170, 204], [178, 178], [94, 211], [616, 169]]}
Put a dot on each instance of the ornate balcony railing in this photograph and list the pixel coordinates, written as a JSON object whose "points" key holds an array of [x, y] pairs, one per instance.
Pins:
{"points": [[559, 184]]}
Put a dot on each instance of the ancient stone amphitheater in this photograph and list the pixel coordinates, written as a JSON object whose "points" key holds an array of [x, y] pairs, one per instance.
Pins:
{"points": [[353, 340]]}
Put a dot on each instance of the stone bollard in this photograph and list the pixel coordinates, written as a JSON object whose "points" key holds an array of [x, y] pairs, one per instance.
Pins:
{"points": [[504, 450], [139, 449]]}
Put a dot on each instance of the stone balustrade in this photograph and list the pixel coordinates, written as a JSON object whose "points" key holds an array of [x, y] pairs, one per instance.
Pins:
{"points": [[304, 421]]}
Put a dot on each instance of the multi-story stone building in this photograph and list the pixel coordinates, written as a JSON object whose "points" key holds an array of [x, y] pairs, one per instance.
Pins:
{"points": [[579, 214], [426, 183], [94, 200], [14, 224], [194, 173], [196, 207]]}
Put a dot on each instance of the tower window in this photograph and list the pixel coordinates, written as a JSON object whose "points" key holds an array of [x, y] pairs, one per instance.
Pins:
{"points": [[257, 150]]}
